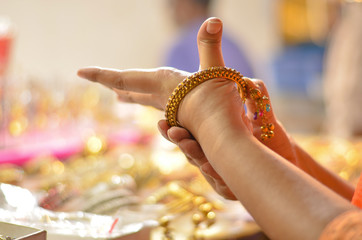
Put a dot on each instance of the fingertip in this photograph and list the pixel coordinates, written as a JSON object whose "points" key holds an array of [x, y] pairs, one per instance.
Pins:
{"points": [[88, 72], [81, 72], [209, 43], [162, 125], [213, 25], [163, 128], [210, 31], [171, 135], [178, 134]]}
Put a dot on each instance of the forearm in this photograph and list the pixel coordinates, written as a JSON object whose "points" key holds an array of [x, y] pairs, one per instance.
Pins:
{"points": [[286, 202], [283, 200]]}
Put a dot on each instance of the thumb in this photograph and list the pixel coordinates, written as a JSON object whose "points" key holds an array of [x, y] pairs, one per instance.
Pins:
{"points": [[209, 44]]}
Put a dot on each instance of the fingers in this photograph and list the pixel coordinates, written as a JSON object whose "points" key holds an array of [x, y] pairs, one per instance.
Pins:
{"points": [[185, 141], [251, 106], [209, 170], [177, 134], [193, 151], [163, 127], [188, 145], [209, 44], [140, 98], [216, 181], [142, 81]]}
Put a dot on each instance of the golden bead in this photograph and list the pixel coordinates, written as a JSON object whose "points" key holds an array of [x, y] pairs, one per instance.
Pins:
{"points": [[205, 208], [271, 126], [255, 94], [197, 218], [211, 218], [270, 134], [264, 136], [264, 128], [164, 221], [194, 80], [198, 200]]}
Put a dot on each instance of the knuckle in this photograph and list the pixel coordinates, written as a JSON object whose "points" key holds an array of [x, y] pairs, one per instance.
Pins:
{"points": [[129, 97], [98, 74], [209, 42], [119, 82], [164, 72]]}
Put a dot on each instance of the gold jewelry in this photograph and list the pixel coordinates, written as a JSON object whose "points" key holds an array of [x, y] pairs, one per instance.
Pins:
{"points": [[262, 102]]}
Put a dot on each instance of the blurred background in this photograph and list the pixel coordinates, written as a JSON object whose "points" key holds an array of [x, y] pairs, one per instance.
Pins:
{"points": [[291, 44], [53, 39], [281, 42], [62, 136]]}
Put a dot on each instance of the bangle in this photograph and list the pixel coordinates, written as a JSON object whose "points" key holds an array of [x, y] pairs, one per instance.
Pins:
{"points": [[262, 102]]}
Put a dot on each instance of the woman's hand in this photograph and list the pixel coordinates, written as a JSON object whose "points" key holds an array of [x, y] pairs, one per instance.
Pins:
{"points": [[151, 87], [211, 55]]}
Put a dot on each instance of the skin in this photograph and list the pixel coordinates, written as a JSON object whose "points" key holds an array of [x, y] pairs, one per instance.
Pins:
{"points": [[276, 181]]}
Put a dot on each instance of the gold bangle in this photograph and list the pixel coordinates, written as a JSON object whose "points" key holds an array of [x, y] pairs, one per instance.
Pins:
{"points": [[194, 80], [220, 72]]}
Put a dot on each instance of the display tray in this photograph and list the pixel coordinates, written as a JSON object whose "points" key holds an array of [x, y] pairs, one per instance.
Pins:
{"points": [[143, 234], [18, 232]]}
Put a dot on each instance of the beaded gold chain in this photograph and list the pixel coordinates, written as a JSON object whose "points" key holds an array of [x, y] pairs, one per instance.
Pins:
{"points": [[245, 90]]}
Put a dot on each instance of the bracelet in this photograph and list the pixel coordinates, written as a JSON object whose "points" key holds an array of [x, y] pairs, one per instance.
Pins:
{"points": [[262, 102]]}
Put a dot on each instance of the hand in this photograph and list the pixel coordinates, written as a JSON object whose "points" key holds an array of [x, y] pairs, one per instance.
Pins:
{"points": [[151, 87], [210, 49]]}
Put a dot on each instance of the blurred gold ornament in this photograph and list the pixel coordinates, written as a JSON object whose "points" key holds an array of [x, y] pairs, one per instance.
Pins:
{"points": [[344, 174], [95, 145], [18, 126], [11, 174], [91, 97], [165, 221], [211, 217], [198, 200], [205, 208], [126, 161], [44, 165], [197, 218]]}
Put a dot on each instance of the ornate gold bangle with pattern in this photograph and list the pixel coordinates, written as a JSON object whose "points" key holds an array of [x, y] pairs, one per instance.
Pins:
{"points": [[262, 102]]}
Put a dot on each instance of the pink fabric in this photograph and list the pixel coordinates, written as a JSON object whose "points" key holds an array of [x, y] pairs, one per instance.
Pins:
{"points": [[60, 143]]}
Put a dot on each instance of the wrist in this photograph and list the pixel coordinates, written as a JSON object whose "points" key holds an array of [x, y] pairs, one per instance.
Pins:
{"points": [[214, 105]]}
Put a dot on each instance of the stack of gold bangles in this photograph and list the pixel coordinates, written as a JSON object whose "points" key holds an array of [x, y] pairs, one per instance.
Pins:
{"points": [[244, 87]]}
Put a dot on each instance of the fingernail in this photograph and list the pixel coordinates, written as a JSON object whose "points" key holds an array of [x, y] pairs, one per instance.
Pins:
{"points": [[169, 137], [81, 73], [89, 73], [213, 26], [162, 131], [204, 171]]}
